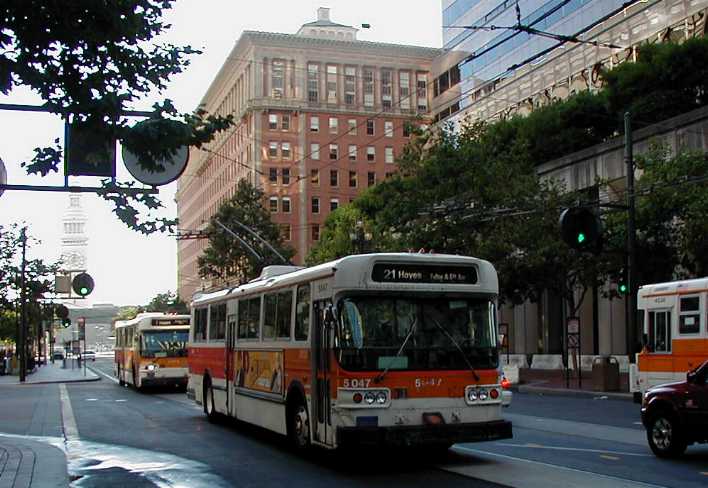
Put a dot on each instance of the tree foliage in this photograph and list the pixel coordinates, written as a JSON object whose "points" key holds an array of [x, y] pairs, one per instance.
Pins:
{"points": [[89, 61], [226, 259]]}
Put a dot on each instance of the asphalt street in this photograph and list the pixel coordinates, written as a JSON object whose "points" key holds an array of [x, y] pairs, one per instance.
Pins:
{"points": [[115, 436]]}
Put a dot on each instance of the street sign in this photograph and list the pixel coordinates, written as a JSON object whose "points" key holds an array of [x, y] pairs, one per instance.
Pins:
{"points": [[90, 150]]}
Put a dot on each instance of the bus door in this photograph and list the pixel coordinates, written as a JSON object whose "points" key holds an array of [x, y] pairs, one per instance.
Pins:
{"points": [[231, 364], [321, 419]]}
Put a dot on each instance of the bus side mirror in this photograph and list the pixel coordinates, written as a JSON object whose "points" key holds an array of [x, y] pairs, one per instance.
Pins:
{"points": [[329, 317]]}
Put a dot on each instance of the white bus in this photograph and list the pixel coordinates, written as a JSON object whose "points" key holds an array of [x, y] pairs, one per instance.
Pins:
{"points": [[370, 349], [151, 350]]}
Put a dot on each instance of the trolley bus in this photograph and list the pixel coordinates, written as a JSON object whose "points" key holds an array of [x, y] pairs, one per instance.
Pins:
{"points": [[675, 325], [371, 349], [151, 350]]}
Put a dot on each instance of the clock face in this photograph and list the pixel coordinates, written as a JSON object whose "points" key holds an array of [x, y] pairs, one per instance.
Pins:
{"points": [[74, 260]]}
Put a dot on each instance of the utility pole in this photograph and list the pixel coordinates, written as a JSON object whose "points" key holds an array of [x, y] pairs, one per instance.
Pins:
{"points": [[22, 339], [631, 303]]}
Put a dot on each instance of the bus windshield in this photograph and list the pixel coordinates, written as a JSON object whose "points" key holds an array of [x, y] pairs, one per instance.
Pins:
{"points": [[164, 343], [378, 333]]}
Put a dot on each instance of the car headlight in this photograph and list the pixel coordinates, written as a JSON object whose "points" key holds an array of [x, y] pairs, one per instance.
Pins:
{"points": [[369, 398], [381, 397]]}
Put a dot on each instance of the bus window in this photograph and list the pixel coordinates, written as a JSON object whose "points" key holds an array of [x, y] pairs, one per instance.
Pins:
{"points": [[660, 331], [285, 306], [689, 315], [270, 313], [217, 319], [302, 313], [200, 324], [249, 314]]}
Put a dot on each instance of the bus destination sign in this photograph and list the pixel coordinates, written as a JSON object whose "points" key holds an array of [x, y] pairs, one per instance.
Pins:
{"points": [[421, 273], [168, 322]]}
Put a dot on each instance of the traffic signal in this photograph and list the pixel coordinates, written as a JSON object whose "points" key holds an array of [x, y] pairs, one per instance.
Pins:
{"points": [[61, 311], [622, 286], [82, 284], [581, 229]]}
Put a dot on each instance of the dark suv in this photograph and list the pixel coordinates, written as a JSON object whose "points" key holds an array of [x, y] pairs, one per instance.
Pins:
{"points": [[676, 414]]}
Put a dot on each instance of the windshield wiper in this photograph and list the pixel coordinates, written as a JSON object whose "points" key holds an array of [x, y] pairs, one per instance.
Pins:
{"points": [[454, 342], [381, 376]]}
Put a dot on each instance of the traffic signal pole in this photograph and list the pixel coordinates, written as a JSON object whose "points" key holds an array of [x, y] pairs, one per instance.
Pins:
{"points": [[631, 303], [22, 338]]}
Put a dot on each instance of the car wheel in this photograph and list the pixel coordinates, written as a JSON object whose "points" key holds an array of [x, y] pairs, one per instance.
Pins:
{"points": [[299, 426], [664, 437]]}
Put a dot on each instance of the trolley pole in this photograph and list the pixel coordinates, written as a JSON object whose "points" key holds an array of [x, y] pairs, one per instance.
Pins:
{"points": [[631, 303]]}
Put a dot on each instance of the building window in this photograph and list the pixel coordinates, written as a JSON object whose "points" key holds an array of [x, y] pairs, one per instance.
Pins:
{"points": [[689, 315], [371, 178], [331, 84], [352, 126], [315, 177], [389, 175], [315, 205], [352, 152], [386, 89], [315, 151], [273, 204], [333, 151], [272, 121], [388, 128], [371, 153], [277, 78], [286, 232], [349, 85], [333, 204], [333, 125], [285, 150], [368, 87], [370, 127], [314, 124], [334, 178], [315, 232], [286, 176], [388, 155], [404, 90], [285, 121], [313, 83], [285, 205], [352, 179], [273, 150], [422, 92], [273, 175]]}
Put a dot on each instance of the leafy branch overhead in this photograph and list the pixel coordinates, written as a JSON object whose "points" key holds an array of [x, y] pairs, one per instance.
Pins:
{"points": [[89, 61]]}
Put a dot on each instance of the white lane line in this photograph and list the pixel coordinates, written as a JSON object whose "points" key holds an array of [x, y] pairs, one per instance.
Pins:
{"points": [[96, 370], [578, 449], [555, 466], [71, 432]]}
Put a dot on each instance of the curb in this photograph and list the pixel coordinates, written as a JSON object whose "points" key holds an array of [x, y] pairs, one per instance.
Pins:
{"points": [[545, 390], [49, 382]]}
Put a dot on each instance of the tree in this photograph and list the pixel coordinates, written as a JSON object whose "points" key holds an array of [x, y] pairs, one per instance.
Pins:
{"points": [[340, 234], [168, 302], [89, 61], [226, 258]]}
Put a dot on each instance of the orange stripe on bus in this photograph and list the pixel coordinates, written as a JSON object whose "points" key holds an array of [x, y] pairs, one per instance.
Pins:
{"points": [[686, 354]]}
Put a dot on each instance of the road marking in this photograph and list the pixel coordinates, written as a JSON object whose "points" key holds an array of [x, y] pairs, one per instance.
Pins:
{"points": [[556, 466], [122, 400], [611, 458], [579, 449], [71, 432], [96, 370], [92, 399], [637, 423]]}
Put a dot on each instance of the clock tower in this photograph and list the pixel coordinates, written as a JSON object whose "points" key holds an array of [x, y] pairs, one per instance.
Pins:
{"points": [[74, 243]]}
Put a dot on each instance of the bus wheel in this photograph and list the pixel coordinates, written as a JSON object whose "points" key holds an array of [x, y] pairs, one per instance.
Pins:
{"points": [[299, 425], [208, 402], [664, 437], [120, 377], [136, 379]]}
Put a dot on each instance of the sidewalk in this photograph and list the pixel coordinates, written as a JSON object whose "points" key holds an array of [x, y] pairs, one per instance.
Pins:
{"points": [[21, 458], [52, 373], [554, 382]]}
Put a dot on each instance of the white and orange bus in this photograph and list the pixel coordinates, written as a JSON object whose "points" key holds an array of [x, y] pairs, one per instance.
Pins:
{"points": [[369, 349], [675, 325], [151, 350]]}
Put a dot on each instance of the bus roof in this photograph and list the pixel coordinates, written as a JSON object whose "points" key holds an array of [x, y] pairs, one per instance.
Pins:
{"points": [[681, 286], [143, 319], [354, 272]]}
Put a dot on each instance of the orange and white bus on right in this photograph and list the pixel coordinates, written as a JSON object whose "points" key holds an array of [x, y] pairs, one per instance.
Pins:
{"points": [[674, 321]]}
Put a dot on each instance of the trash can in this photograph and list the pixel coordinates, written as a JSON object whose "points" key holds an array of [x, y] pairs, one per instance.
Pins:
{"points": [[605, 374]]}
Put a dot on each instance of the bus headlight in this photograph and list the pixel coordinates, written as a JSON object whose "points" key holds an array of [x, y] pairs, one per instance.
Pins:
{"points": [[381, 398], [483, 394], [369, 398], [151, 367], [472, 395]]}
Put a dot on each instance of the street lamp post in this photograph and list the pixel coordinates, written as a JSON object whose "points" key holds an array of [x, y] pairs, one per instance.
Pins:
{"points": [[360, 238]]}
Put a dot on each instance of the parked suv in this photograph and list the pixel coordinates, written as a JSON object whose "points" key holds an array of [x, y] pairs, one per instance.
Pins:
{"points": [[676, 414]]}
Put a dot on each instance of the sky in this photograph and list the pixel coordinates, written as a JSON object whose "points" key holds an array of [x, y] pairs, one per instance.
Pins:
{"points": [[129, 268]]}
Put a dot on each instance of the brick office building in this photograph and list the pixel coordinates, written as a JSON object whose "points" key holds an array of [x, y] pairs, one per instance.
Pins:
{"points": [[320, 116]]}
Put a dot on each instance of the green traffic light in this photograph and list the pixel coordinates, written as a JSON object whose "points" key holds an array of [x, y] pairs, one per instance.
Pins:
{"points": [[581, 238], [623, 288], [84, 291]]}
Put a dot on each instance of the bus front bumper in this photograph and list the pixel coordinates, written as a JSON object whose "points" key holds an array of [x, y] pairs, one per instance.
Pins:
{"points": [[424, 434]]}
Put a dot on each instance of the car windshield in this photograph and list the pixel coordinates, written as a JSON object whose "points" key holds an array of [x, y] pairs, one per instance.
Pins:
{"points": [[447, 333], [164, 343]]}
